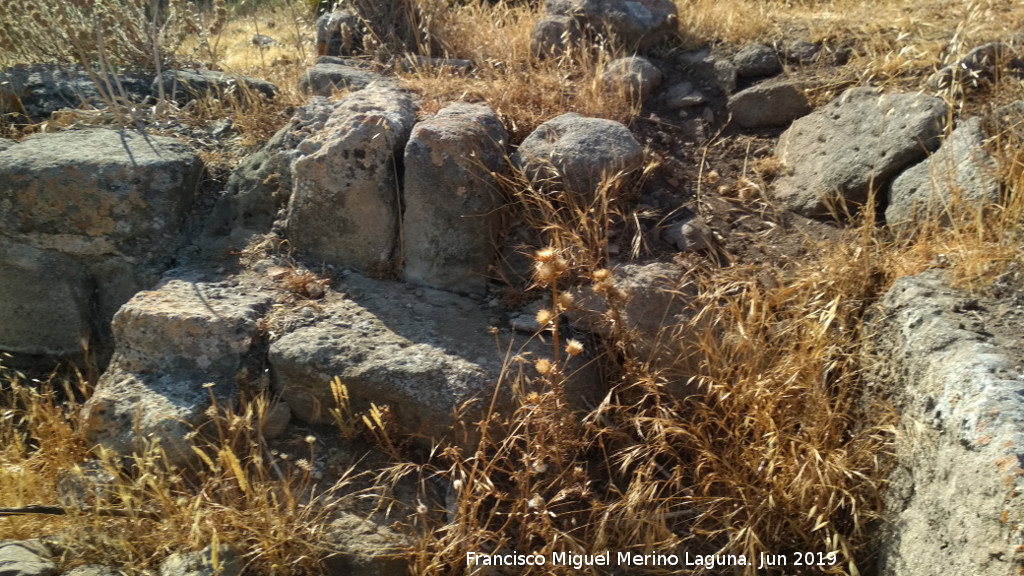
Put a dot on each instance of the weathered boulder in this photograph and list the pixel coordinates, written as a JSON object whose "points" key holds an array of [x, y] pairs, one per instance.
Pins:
{"points": [[170, 343], [981, 64], [345, 199], [960, 169], [97, 192], [261, 184], [417, 367], [951, 502], [756, 60], [37, 91], [397, 345], [452, 202], [358, 547], [45, 300], [856, 142], [228, 562], [635, 24], [554, 34], [26, 558], [579, 152], [683, 95], [772, 103], [185, 85], [330, 74], [633, 74], [339, 33]]}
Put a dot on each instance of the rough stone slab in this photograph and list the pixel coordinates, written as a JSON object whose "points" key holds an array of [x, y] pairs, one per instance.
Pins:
{"points": [[553, 35], [452, 202], [25, 558], [358, 547], [422, 380], [131, 411], [859, 140], [756, 60], [344, 206], [950, 502], [188, 326], [635, 24], [581, 151], [44, 302], [185, 85], [200, 563], [960, 168], [773, 103], [97, 191], [39, 90], [634, 74], [419, 350], [322, 79]]}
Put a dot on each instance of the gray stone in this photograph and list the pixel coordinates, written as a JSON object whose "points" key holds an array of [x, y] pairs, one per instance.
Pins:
{"points": [[421, 376], [25, 558], [756, 60], [97, 192], [345, 200], [339, 33], [683, 95], [961, 169], [170, 344], [187, 326], [634, 74], [554, 34], [358, 547], [688, 235], [37, 91], [202, 563], [858, 141], [982, 63], [579, 152], [261, 184], [323, 78], [724, 75], [634, 24], [45, 300], [772, 103], [452, 202], [397, 345], [185, 85], [802, 52], [950, 499]]}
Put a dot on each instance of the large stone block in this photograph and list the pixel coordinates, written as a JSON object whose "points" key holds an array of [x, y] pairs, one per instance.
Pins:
{"points": [[451, 200]]}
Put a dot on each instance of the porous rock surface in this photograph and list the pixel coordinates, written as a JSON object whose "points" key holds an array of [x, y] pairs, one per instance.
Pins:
{"points": [[452, 201], [330, 73], [26, 558], [635, 24], [578, 152], [772, 103], [393, 345], [961, 168], [858, 141], [171, 345], [633, 74], [87, 218], [345, 199], [953, 503]]}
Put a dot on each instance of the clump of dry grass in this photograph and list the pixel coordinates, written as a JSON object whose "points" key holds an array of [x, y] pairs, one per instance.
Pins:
{"points": [[262, 502]]}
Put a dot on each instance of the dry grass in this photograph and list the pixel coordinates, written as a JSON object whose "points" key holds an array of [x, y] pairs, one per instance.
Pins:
{"points": [[778, 451]]}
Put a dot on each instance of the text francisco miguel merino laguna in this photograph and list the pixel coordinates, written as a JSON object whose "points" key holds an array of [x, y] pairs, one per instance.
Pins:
{"points": [[579, 561]]}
